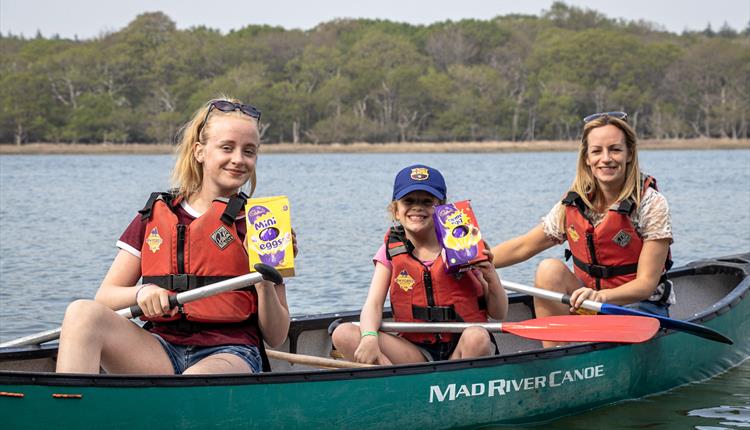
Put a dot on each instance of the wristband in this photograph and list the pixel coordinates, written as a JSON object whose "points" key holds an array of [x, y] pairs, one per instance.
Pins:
{"points": [[368, 333]]}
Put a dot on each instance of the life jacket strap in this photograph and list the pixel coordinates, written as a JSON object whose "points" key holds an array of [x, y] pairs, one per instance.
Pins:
{"points": [[664, 299], [599, 271], [442, 313], [186, 326], [152, 199], [573, 199], [570, 198], [234, 206], [434, 313], [183, 282], [625, 207], [397, 243]]}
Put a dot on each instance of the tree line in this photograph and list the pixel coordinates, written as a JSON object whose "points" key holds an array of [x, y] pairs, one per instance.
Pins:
{"points": [[513, 77]]}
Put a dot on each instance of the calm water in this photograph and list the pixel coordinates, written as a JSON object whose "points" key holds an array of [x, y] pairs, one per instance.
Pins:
{"points": [[61, 215]]}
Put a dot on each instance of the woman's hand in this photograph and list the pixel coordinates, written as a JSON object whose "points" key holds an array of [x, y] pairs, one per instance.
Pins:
{"points": [[294, 243], [154, 301], [497, 300], [584, 293], [369, 352], [489, 277]]}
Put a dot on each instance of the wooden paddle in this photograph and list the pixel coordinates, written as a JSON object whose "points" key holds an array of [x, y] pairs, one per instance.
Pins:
{"points": [[310, 360], [563, 328], [609, 309], [264, 272]]}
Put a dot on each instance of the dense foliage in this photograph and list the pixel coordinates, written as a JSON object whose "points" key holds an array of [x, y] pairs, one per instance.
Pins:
{"points": [[514, 77]]}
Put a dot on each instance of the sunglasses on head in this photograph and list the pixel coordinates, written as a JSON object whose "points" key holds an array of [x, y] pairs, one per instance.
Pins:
{"points": [[227, 106], [619, 115]]}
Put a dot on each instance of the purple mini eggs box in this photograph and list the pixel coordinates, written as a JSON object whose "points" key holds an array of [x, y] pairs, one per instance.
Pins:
{"points": [[269, 233], [458, 233]]}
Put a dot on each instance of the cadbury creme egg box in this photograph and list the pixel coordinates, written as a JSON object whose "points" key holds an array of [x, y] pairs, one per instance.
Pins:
{"points": [[458, 233], [269, 233]]}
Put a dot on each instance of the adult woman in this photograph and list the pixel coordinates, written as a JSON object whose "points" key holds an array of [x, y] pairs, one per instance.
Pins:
{"points": [[188, 237], [616, 223]]}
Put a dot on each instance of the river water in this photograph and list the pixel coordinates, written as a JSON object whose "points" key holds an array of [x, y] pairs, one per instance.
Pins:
{"points": [[60, 216]]}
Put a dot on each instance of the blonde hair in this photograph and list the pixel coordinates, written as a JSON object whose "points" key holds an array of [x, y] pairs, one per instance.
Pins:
{"points": [[585, 184], [187, 175]]}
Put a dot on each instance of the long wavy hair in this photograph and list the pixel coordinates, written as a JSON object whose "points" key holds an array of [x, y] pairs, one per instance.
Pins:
{"points": [[585, 183], [187, 175]]}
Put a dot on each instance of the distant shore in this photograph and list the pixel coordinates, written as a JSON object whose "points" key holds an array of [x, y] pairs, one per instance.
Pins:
{"points": [[302, 148]]}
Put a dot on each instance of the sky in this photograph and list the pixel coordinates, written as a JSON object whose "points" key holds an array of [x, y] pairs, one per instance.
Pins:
{"points": [[91, 18]]}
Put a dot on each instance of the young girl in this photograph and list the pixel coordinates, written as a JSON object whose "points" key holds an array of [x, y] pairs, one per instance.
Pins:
{"points": [[187, 238], [410, 266]]}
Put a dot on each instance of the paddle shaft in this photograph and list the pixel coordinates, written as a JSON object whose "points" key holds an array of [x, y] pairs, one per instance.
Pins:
{"points": [[441, 327], [606, 308], [266, 272], [549, 295], [310, 360]]}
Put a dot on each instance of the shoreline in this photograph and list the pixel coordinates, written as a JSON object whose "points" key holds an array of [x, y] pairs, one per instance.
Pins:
{"points": [[373, 148]]}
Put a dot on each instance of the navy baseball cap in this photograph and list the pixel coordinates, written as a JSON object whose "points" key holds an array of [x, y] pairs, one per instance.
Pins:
{"points": [[419, 177]]}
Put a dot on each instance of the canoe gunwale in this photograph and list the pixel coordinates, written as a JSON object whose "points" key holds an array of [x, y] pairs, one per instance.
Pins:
{"points": [[301, 324], [104, 380]]}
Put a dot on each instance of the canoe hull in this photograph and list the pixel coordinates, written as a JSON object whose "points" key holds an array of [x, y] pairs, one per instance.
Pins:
{"points": [[512, 388]]}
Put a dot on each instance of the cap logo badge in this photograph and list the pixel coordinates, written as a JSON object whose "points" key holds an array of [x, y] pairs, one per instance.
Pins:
{"points": [[419, 173]]}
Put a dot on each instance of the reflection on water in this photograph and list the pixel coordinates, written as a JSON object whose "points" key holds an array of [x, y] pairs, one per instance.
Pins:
{"points": [[722, 402], [732, 416]]}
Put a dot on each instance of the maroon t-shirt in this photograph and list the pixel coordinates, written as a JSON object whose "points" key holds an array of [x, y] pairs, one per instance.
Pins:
{"points": [[245, 333]]}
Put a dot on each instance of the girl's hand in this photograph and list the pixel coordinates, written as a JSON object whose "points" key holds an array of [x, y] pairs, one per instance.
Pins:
{"points": [[487, 269], [369, 352], [265, 284], [154, 301], [585, 293]]}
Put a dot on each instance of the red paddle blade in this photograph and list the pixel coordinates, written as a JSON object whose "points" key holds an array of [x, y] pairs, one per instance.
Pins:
{"points": [[586, 328]]}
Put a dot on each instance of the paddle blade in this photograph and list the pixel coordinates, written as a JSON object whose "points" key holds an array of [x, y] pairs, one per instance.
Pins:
{"points": [[669, 323], [586, 328]]}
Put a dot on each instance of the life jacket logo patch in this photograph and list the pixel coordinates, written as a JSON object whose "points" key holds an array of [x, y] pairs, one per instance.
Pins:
{"points": [[153, 240], [419, 174], [622, 238], [222, 237], [405, 281], [573, 234]]}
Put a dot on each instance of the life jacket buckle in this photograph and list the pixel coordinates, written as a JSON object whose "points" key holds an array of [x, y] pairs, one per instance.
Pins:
{"points": [[181, 282], [598, 271], [434, 313]]}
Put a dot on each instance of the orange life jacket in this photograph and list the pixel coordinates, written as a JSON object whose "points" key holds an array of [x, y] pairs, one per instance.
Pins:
{"points": [[605, 256], [181, 257], [419, 293]]}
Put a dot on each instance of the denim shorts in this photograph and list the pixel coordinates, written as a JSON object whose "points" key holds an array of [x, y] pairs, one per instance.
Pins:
{"points": [[436, 351], [444, 350], [184, 356]]}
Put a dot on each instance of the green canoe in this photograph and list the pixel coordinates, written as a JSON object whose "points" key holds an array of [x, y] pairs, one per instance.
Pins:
{"points": [[524, 384]]}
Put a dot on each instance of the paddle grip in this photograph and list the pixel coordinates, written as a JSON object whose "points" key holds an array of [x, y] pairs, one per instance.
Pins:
{"points": [[135, 311], [269, 273], [565, 299]]}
